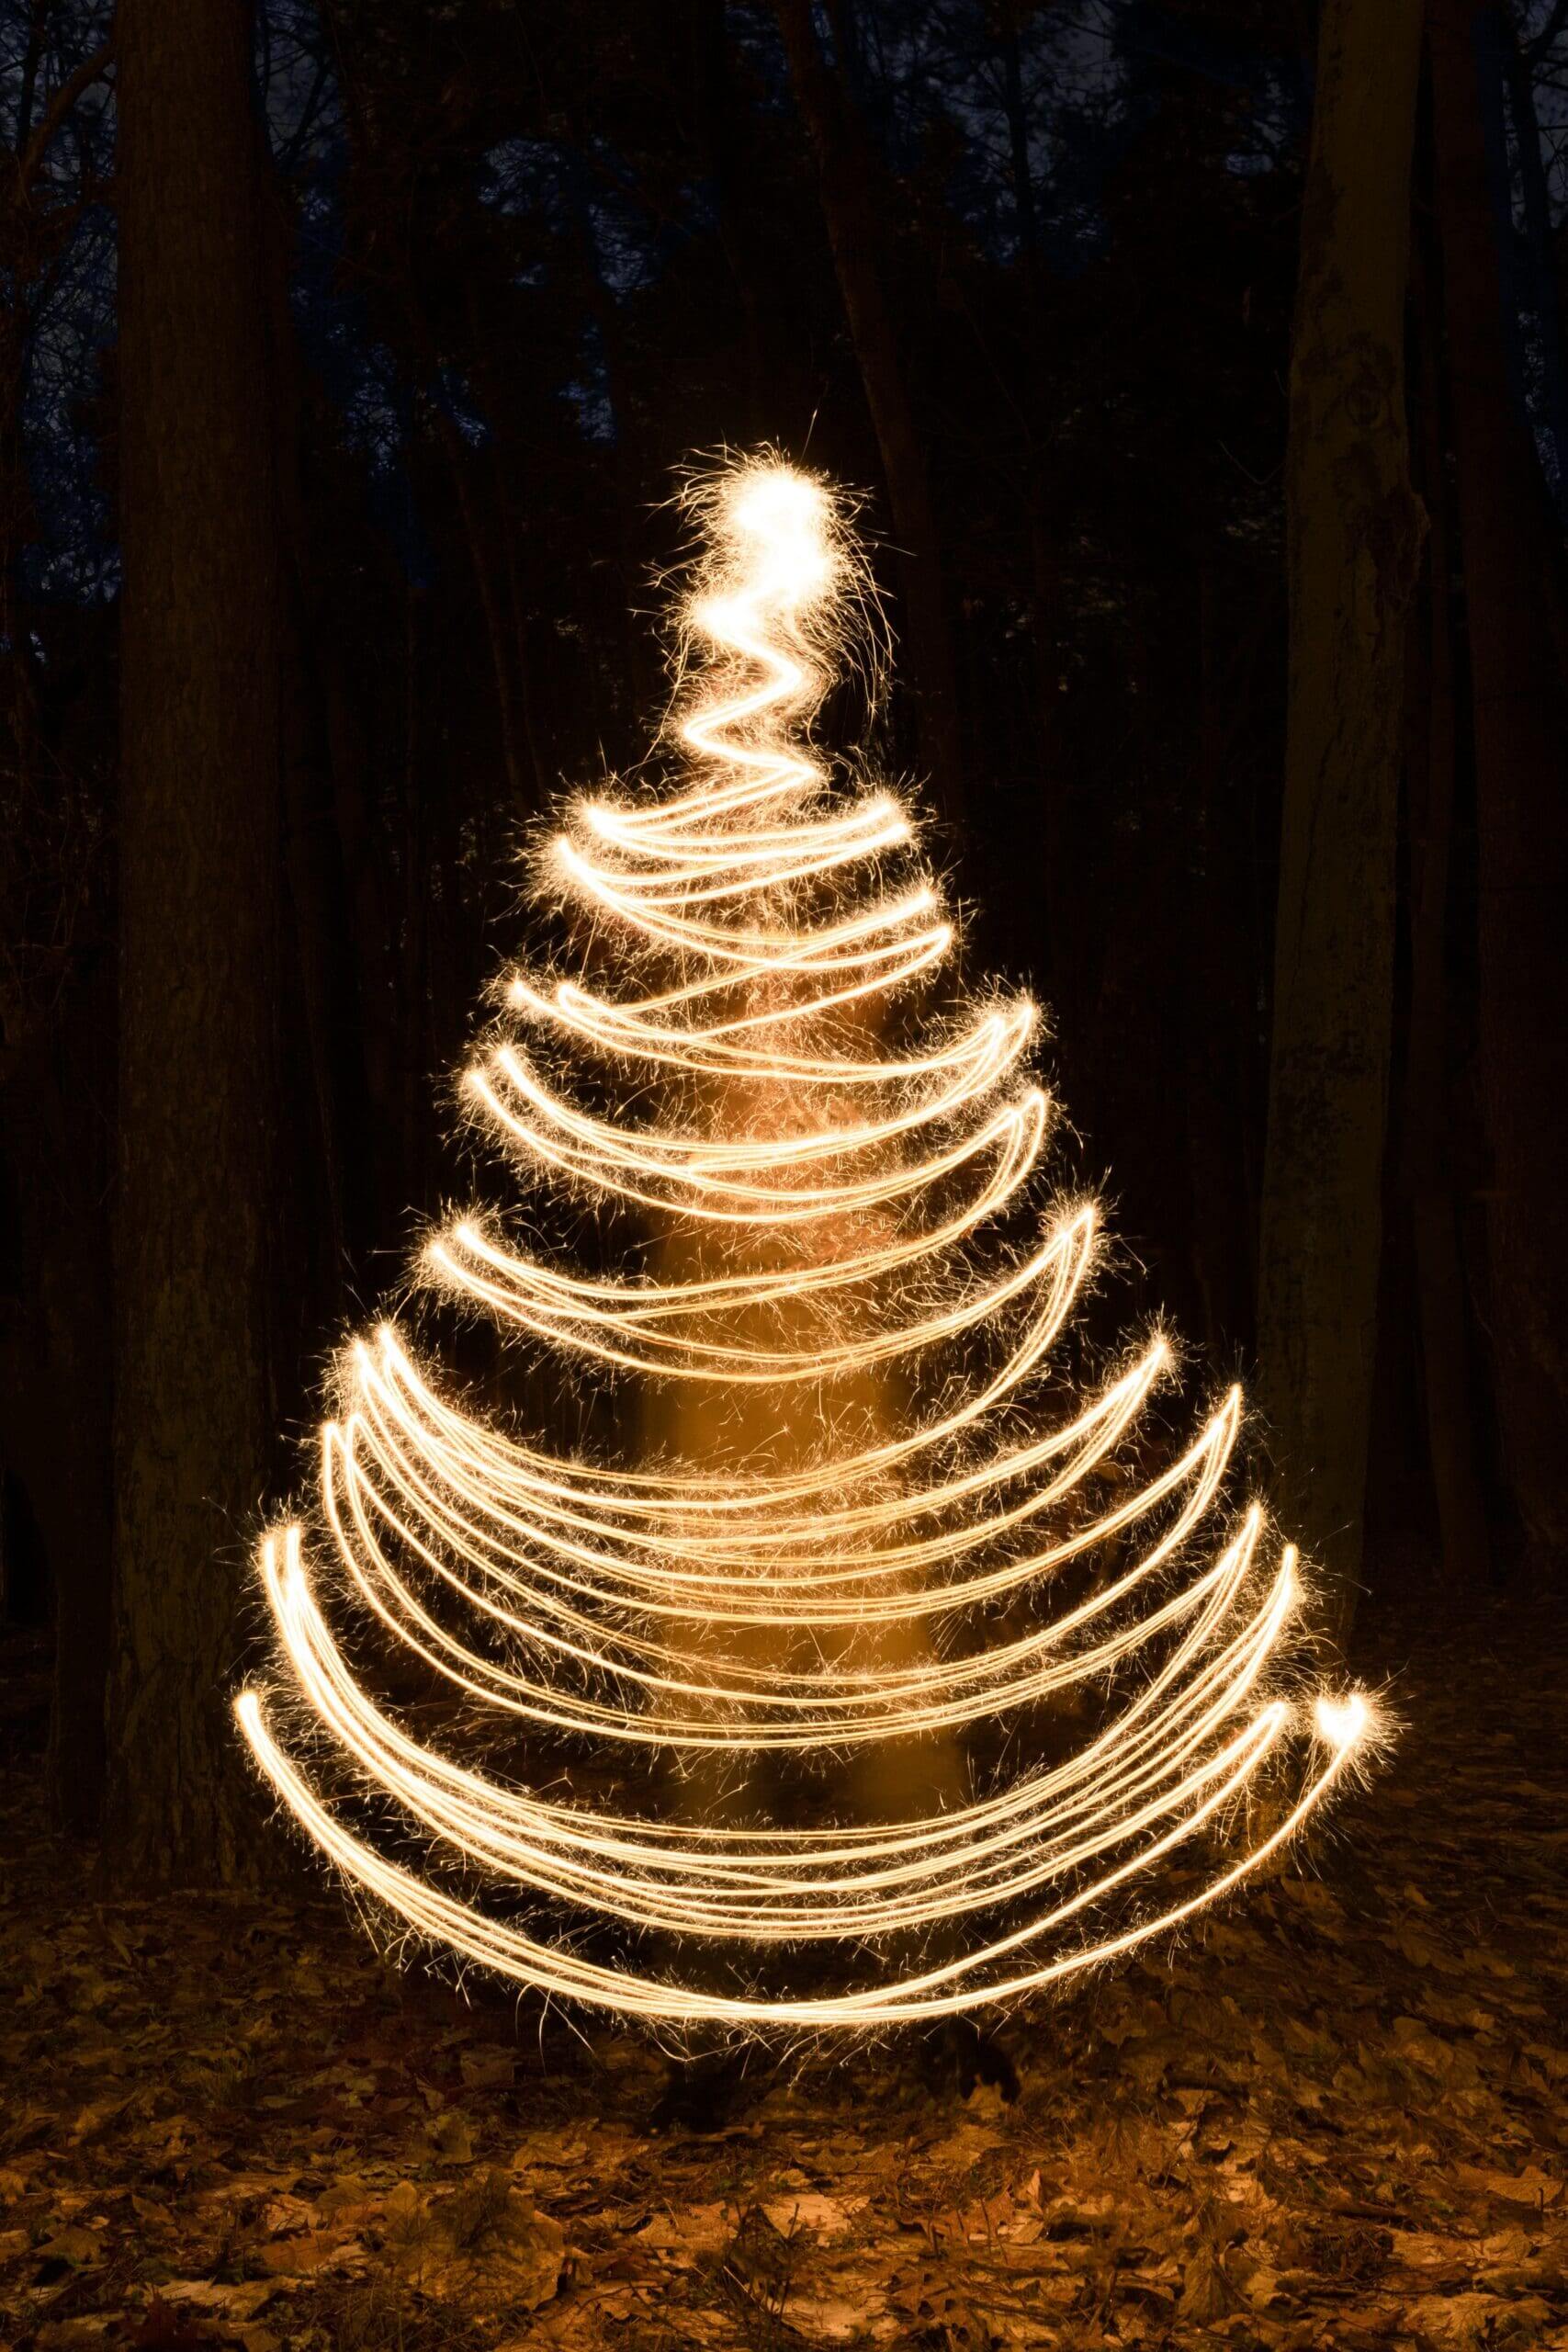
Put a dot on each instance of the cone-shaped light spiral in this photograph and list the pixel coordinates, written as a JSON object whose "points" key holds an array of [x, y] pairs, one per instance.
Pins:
{"points": [[878, 1510]]}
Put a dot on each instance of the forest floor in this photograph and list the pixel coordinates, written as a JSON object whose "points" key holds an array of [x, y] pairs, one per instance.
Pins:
{"points": [[1336, 2116]]}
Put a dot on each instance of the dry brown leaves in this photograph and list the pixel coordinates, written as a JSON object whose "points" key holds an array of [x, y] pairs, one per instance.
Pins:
{"points": [[1338, 2117]]}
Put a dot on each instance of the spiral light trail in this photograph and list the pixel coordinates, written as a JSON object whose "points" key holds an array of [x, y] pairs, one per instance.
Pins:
{"points": [[877, 1523]]}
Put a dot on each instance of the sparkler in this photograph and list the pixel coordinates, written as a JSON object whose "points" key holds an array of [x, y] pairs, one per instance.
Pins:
{"points": [[835, 1210]]}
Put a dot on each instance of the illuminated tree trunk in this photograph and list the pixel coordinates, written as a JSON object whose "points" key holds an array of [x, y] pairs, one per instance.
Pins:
{"points": [[1515, 615], [1354, 535], [751, 1426], [850, 213], [198, 894]]}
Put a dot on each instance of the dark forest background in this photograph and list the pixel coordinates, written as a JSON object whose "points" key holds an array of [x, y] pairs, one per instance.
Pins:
{"points": [[1203, 361]]}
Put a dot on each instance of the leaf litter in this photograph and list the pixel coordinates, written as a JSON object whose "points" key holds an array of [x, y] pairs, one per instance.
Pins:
{"points": [[1336, 2116]]}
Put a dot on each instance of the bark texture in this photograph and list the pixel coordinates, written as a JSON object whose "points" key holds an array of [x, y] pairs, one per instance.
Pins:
{"points": [[1431, 1178], [198, 896], [56, 1113], [1354, 536], [1515, 615]]}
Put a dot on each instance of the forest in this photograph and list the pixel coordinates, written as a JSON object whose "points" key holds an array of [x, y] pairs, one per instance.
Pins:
{"points": [[1193, 374]]}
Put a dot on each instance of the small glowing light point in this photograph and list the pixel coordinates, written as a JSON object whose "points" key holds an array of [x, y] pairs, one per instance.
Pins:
{"points": [[1343, 1723], [878, 1514]]}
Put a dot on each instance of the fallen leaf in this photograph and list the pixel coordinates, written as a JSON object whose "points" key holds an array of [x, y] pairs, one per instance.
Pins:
{"points": [[697, 2230], [238, 2299], [346, 2195], [450, 2137], [77, 2248], [488, 2070], [1466, 2323], [485, 2243], [1206, 2293], [836, 2318], [551, 2151], [299, 2256], [825, 2217], [1530, 2187]]}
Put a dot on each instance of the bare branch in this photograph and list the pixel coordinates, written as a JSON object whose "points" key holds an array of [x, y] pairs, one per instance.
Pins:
{"points": [[31, 161], [1531, 50]]}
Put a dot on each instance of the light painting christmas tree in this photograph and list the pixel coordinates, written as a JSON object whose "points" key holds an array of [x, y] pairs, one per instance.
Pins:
{"points": [[857, 1512]]}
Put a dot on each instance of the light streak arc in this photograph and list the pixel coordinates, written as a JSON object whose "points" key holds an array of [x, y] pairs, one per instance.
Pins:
{"points": [[829, 1207]]}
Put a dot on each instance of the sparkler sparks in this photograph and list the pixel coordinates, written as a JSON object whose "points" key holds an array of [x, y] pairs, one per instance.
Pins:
{"points": [[815, 1562]]}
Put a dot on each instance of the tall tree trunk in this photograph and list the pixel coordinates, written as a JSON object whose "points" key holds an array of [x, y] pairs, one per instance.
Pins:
{"points": [[414, 1027], [1066, 916], [1427, 1153], [318, 788], [1354, 535], [199, 904], [519, 754], [1514, 608], [54, 1369], [853, 217], [1214, 1011]]}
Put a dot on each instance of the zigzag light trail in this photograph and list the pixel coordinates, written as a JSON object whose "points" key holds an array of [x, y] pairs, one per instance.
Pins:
{"points": [[828, 1208]]}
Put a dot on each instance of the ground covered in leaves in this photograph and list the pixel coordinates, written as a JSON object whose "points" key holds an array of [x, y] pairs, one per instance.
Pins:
{"points": [[1338, 2116]]}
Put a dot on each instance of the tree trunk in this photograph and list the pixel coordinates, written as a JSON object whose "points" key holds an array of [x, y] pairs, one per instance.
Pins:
{"points": [[199, 904], [1428, 1150], [852, 216], [1514, 608], [1214, 1011], [1354, 535], [519, 755], [316, 761], [1067, 917], [54, 1369]]}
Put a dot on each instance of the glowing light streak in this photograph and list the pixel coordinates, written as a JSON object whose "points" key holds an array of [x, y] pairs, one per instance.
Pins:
{"points": [[837, 1693], [726, 1584], [459, 1926], [849, 1583]]}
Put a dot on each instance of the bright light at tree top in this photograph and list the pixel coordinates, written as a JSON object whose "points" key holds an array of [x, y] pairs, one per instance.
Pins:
{"points": [[856, 1504]]}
